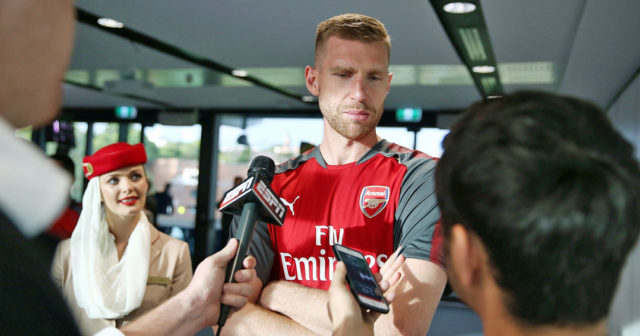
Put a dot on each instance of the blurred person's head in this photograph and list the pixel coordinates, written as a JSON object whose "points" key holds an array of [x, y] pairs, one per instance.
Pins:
{"points": [[65, 162], [36, 39], [539, 200], [122, 180]]}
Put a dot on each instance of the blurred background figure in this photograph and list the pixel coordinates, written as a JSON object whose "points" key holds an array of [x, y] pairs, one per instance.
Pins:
{"points": [[64, 225], [160, 203], [117, 266], [164, 201]]}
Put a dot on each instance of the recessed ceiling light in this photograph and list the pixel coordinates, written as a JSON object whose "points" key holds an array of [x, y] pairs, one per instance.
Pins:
{"points": [[459, 7], [110, 23], [483, 69], [239, 73]]}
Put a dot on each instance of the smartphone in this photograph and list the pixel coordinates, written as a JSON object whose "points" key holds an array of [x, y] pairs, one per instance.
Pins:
{"points": [[360, 279]]}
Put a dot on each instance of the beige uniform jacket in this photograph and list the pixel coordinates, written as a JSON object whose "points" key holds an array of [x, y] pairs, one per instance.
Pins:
{"points": [[169, 272]]}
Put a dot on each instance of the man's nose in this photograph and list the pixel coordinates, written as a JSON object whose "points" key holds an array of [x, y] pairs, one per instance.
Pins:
{"points": [[358, 89]]}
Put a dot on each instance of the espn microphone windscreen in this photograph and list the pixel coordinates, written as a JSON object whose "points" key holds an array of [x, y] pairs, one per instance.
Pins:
{"points": [[263, 166]]}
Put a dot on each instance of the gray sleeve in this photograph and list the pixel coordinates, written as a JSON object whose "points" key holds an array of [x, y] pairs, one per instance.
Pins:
{"points": [[260, 248], [417, 225]]}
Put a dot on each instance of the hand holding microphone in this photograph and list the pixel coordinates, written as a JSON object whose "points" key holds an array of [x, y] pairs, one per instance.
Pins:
{"points": [[253, 199]]}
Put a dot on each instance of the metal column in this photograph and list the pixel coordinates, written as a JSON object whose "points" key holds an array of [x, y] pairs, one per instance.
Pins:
{"points": [[207, 182]]}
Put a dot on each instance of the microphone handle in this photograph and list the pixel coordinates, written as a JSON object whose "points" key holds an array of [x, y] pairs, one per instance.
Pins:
{"points": [[246, 227]]}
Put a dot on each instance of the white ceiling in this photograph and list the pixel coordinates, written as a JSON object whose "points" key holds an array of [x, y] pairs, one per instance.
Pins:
{"points": [[593, 46]]}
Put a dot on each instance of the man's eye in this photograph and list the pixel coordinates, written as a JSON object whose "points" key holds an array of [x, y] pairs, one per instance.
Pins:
{"points": [[375, 78], [343, 75]]}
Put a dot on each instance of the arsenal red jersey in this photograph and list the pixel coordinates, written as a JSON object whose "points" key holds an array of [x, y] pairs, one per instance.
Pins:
{"points": [[385, 200]]}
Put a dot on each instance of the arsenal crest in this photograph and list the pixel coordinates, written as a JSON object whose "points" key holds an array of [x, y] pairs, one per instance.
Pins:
{"points": [[373, 199]]}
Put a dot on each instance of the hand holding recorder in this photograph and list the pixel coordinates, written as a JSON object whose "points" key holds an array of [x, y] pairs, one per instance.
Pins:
{"points": [[354, 309]]}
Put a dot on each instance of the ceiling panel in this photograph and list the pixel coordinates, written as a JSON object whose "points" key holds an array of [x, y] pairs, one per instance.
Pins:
{"points": [[586, 48], [606, 51]]}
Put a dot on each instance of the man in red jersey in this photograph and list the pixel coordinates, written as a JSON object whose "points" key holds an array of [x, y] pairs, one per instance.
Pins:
{"points": [[354, 189]]}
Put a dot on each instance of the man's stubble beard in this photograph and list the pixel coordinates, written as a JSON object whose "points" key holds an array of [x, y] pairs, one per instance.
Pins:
{"points": [[351, 129]]}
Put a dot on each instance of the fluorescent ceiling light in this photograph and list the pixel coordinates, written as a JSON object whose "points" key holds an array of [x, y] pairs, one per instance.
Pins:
{"points": [[472, 44], [527, 73], [483, 69], [435, 75], [279, 76], [308, 99], [488, 83], [110, 23], [188, 77], [493, 97], [80, 76], [459, 7], [239, 73]]}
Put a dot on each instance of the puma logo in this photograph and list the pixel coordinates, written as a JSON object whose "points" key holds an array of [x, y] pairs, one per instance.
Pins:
{"points": [[290, 205]]}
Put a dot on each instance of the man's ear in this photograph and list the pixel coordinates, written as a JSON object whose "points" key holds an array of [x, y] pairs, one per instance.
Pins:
{"points": [[466, 256], [311, 80]]}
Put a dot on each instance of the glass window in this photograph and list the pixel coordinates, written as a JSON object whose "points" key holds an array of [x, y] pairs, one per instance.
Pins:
{"points": [[277, 138], [65, 138], [76, 154], [398, 135], [430, 141], [133, 136], [173, 168], [233, 159], [280, 138], [24, 133], [50, 148], [104, 134]]}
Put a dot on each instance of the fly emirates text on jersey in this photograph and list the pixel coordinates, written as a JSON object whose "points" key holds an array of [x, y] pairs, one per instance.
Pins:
{"points": [[320, 267]]}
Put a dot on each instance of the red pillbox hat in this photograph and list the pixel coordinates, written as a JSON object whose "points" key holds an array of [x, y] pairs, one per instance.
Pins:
{"points": [[113, 157]]}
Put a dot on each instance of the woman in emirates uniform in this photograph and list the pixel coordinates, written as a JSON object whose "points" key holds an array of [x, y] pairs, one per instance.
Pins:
{"points": [[116, 266]]}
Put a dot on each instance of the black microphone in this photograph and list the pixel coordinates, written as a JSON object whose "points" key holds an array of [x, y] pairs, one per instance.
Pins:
{"points": [[253, 199]]}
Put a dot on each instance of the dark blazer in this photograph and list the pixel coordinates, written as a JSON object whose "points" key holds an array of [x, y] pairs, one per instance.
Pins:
{"points": [[29, 302]]}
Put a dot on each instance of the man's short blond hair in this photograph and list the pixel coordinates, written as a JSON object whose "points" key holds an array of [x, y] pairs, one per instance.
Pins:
{"points": [[356, 27]]}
